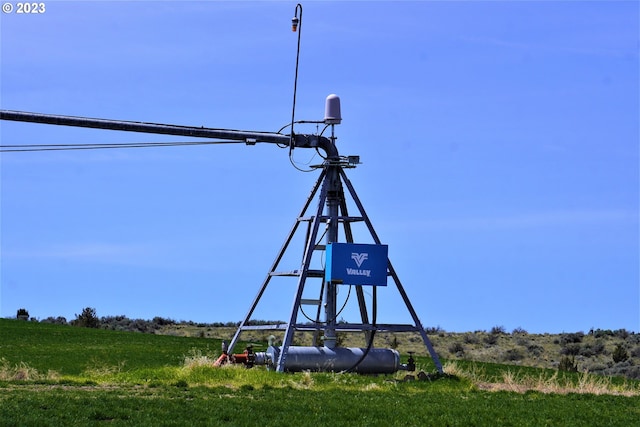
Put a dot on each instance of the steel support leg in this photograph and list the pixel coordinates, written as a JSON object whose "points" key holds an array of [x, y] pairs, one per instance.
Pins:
{"points": [[308, 253], [405, 298], [274, 266]]}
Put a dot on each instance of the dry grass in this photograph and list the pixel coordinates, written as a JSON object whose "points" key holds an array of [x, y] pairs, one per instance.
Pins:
{"points": [[195, 358], [23, 372], [303, 381], [98, 369], [521, 383]]}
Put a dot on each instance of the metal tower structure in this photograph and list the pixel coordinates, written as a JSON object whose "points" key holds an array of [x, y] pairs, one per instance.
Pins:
{"points": [[330, 213]]}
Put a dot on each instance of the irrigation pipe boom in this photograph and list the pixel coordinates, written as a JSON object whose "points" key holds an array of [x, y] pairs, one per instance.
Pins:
{"points": [[248, 137]]}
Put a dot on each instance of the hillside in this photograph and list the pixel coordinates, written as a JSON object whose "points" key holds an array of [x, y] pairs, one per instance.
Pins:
{"points": [[606, 352], [589, 352]]}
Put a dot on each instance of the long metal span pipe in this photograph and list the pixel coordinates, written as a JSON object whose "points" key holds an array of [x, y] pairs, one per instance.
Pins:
{"points": [[339, 359], [249, 137]]}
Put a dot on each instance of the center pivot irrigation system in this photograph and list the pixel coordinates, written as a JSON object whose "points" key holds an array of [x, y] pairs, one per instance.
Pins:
{"points": [[346, 263]]}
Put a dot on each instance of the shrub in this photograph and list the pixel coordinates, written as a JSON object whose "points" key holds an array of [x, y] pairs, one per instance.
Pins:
{"points": [[620, 354], [625, 369], [571, 349], [257, 322], [434, 330], [491, 339], [575, 337], [114, 323], [161, 321], [601, 333], [394, 343], [513, 354], [471, 338], [633, 373], [55, 320], [590, 350], [87, 319], [568, 364], [456, 348], [498, 330], [535, 349], [519, 331], [621, 333]]}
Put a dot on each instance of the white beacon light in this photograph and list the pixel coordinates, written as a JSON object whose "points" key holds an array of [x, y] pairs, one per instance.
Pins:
{"points": [[332, 114]]}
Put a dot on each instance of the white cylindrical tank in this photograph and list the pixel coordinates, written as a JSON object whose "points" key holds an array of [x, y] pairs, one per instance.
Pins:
{"points": [[332, 114], [324, 359]]}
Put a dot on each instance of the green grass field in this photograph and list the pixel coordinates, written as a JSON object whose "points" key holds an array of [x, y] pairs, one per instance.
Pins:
{"points": [[63, 375]]}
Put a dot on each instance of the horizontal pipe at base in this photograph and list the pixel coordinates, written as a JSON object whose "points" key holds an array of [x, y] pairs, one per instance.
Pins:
{"points": [[324, 359]]}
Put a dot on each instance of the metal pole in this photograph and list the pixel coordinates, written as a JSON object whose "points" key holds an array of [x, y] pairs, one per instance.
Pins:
{"points": [[333, 202], [295, 24]]}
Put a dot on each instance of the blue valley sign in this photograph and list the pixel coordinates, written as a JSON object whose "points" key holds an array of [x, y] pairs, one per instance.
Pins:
{"points": [[357, 264]]}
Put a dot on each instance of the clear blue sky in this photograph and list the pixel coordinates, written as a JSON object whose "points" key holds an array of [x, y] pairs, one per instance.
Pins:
{"points": [[499, 143]]}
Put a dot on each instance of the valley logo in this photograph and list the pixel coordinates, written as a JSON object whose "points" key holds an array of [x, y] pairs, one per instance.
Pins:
{"points": [[356, 264], [359, 258]]}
